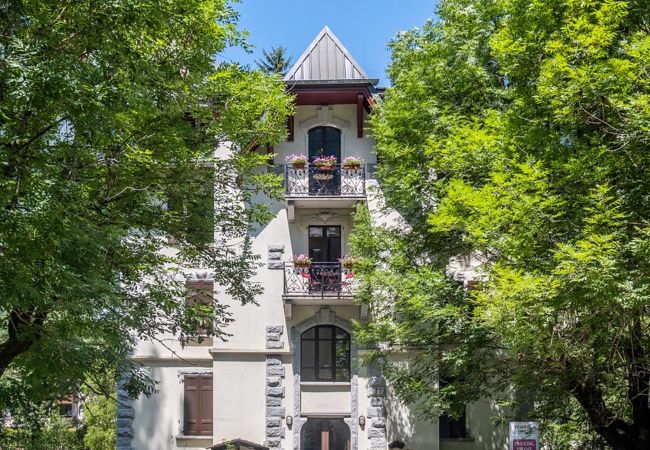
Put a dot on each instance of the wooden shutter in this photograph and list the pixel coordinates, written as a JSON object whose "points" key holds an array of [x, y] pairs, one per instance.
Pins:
{"points": [[192, 405], [206, 404], [197, 411]]}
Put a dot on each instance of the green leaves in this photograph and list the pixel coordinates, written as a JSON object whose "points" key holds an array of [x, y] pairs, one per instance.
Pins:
{"points": [[515, 136], [114, 124]]}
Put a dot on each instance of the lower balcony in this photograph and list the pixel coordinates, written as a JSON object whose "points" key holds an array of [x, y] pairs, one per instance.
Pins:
{"points": [[321, 283], [320, 279]]}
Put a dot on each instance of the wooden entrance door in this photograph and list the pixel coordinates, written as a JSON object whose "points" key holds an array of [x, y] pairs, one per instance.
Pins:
{"points": [[325, 434]]}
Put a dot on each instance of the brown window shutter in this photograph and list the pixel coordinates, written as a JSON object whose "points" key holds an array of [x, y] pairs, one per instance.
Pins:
{"points": [[192, 405], [206, 404], [197, 415]]}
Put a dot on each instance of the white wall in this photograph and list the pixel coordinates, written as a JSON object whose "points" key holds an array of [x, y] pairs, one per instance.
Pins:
{"points": [[239, 397], [159, 418]]}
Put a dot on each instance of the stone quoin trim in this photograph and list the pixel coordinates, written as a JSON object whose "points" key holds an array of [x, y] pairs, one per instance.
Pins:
{"points": [[275, 412]]}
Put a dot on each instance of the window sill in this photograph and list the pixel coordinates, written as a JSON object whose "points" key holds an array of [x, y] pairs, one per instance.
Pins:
{"points": [[325, 383], [194, 437]]}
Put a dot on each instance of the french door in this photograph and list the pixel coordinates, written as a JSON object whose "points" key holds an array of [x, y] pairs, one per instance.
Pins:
{"points": [[324, 142], [325, 252]]}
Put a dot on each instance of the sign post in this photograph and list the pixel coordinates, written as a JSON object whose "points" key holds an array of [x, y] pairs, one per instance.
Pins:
{"points": [[524, 436]]}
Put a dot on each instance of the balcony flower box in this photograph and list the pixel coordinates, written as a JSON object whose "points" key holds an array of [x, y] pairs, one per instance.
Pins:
{"points": [[348, 262], [352, 163], [297, 161], [325, 163], [302, 261]]}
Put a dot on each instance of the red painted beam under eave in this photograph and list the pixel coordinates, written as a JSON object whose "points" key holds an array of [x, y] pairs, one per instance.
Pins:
{"points": [[360, 104]]}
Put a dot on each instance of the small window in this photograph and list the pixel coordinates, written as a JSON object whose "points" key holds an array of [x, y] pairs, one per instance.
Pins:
{"points": [[199, 306], [325, 354], [197, 405], [451, 428], [66, 409], [193, 209]]}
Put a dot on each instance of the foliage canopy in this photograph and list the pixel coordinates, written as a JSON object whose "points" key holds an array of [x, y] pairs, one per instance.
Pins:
{"points": [[109, 113], [517, 133]]}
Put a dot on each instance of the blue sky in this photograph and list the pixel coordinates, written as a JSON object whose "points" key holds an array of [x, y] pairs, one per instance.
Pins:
{"points": [[364, 26]]}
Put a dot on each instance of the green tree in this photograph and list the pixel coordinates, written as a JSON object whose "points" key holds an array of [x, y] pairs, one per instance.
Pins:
{"points": [[516, 132], [275, 61], [109, 113], [99, 422]]}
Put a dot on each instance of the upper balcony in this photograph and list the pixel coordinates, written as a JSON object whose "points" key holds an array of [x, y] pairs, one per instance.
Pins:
{"points": [[313, 187]]}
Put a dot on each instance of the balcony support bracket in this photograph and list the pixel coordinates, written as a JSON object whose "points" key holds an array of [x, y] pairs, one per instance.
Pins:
{"points": [[288, 309], [291, 211], [363, 312]]}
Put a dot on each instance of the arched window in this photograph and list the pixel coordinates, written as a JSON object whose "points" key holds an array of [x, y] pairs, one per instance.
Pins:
{"points": [[325, 354], [324, 141]]}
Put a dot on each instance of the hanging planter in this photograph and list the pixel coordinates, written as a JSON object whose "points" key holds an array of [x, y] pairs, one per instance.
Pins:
{"points": [[297, 161], [301, 261], [325, 163], [347, 262], [352, 163]]}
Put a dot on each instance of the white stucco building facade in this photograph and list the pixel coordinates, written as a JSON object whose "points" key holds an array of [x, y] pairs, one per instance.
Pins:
{"points": [[290, 375]]}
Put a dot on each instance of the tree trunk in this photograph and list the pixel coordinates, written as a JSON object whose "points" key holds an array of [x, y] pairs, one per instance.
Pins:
{"points": [[23, 329]]}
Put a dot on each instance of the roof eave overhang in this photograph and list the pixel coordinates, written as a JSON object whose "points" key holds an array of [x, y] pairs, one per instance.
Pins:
{"points": [[332, 92]]}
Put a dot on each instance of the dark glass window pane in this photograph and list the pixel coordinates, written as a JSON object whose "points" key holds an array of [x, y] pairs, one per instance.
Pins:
{"points": [[452, 428], [342, 359], [308, 374], [308, 354], [325, 374], [333, 231], [309, 334], [342, 374], [324, 141], [315, 231], [325, 354], [341, 334], [324, 333]]}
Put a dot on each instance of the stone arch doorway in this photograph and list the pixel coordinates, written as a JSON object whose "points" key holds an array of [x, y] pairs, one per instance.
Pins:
{"points": [[325, 434]]}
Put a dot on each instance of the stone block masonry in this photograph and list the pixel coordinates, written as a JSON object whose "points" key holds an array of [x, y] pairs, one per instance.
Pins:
{"points": [[275, 412], [377, 411], [124, 420]]}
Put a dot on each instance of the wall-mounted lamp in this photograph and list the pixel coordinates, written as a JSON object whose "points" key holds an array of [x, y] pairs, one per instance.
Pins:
{"points": [[289, 421], [362, 421]]}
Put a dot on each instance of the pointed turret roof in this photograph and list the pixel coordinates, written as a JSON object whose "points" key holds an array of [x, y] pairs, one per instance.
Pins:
{"points": [[326, 58]]}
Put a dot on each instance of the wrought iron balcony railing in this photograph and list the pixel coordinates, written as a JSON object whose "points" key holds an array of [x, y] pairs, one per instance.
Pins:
{"points": [[321, 279], [312, 181]]}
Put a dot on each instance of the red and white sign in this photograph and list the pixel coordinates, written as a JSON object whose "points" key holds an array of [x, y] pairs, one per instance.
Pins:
{"points": [[524, 436]]}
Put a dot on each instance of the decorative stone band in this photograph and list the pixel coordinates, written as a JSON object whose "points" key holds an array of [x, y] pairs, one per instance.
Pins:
{"points": [[377, 410], [275, 412]]}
